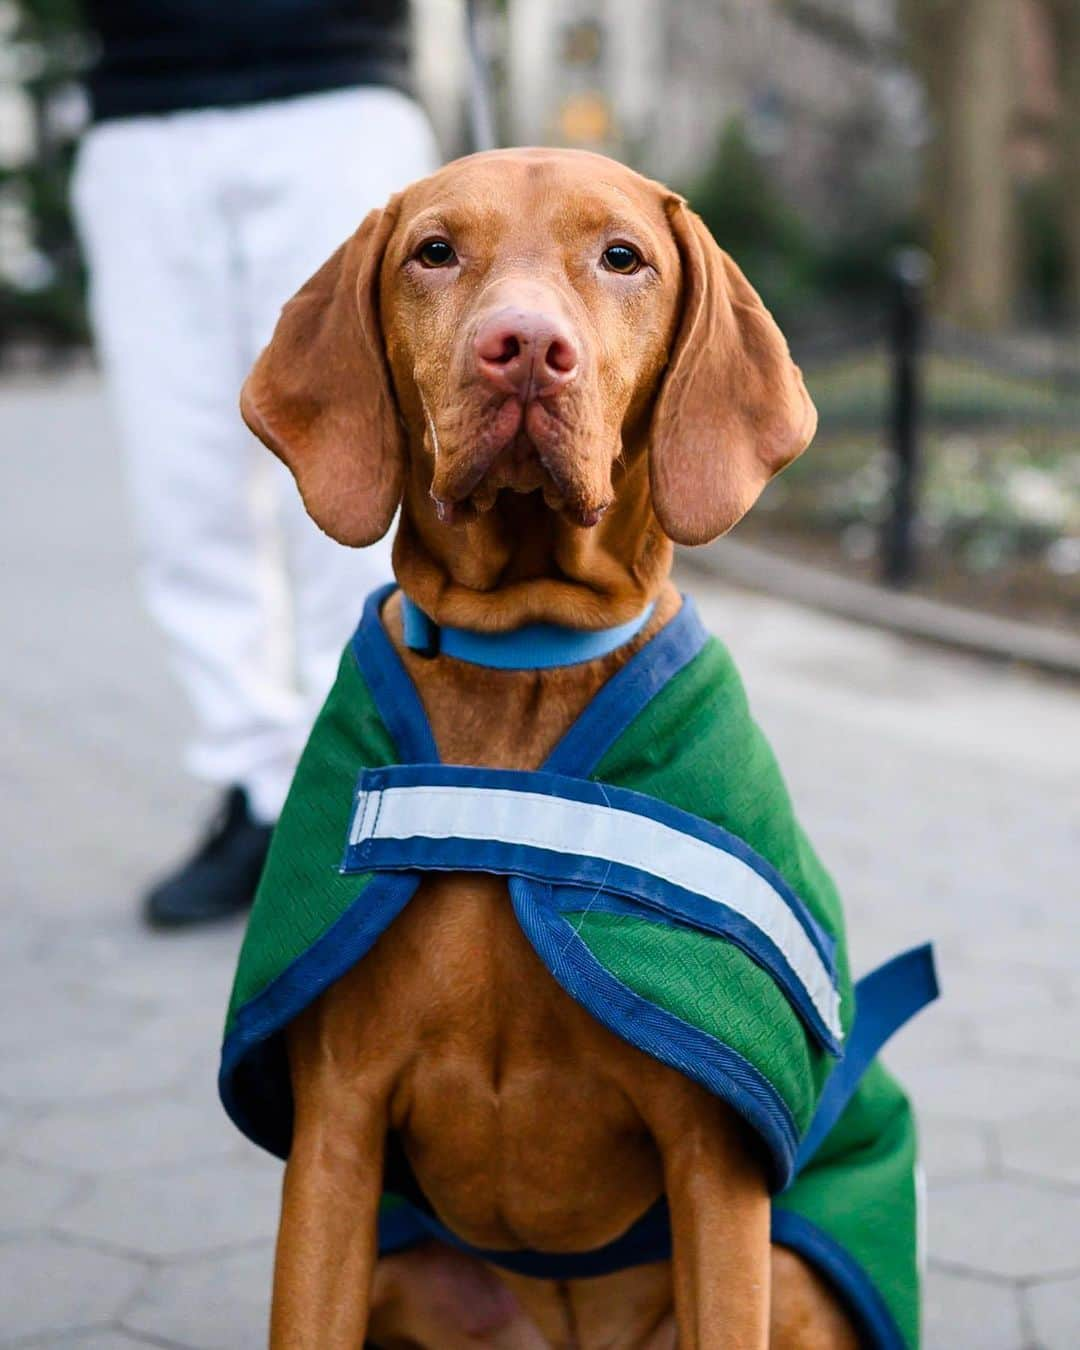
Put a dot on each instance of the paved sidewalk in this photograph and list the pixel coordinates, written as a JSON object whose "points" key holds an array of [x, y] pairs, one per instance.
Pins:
{"points": [[942, 792]]}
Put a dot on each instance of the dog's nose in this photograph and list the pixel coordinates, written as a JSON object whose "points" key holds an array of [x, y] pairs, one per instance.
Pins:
{"points": [[525, 352]]}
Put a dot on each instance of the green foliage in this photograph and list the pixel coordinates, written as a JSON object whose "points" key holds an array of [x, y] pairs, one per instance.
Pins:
{"points": [[737, 201], [45, 20], [999, 490], [856, 263], [49, 34], [796, 268], [799, 269]]}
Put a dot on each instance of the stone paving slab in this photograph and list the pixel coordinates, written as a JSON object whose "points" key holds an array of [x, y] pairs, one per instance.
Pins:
{"points": [[961, 1313], [1044, 1146], [951, 1150], [1046, 1036], [110, 1339], [980, 1089], [136, 1135], [1006, 1228], [1054, 1312], [54, 1287], [941, 791], [180, 1211], [218, 1303], [32, 1197]]}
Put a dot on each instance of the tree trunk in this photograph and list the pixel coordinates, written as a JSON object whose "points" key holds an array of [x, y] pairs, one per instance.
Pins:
{"points": [[966, 53], [1065, 16]]}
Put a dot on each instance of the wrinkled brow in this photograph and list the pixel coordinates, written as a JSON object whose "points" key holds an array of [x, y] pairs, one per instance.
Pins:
{"points": [[456, 218], [605, 221]]}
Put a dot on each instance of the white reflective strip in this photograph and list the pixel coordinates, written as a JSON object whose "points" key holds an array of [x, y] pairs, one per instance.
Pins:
{"points": [[612, 835]]}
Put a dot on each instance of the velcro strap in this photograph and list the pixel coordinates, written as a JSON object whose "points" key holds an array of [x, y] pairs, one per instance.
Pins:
{"points": [[884, 1000], [572, 831]]}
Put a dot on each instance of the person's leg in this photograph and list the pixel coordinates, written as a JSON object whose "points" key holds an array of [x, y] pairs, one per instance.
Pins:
{"points": [[164, 310], [324, 163]]}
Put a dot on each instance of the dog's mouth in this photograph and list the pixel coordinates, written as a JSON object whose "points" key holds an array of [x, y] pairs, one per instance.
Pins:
{"points": [[522, 449]]}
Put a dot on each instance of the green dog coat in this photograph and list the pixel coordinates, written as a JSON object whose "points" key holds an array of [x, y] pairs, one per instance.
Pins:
{"points": [[656, 866]]}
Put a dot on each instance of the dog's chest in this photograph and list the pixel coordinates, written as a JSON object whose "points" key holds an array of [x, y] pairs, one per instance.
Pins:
{"points": [[515, 1107], [501, 719]]}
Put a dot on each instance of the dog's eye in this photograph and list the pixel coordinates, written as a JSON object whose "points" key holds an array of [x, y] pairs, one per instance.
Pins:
{"points": [[622, 258], [436, 253]]}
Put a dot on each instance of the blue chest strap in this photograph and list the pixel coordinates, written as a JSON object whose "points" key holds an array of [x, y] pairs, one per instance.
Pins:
{"points": [[885, 1000]]}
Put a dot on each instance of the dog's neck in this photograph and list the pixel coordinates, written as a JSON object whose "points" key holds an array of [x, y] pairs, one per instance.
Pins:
{"points": [[521, 563]]}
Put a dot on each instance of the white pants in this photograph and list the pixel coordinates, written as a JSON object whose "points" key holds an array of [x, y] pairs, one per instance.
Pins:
{"points": [[197, 226]]}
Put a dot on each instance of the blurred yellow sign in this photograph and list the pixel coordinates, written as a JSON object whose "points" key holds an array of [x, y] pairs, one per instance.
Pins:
{"points": [[585, 118]]}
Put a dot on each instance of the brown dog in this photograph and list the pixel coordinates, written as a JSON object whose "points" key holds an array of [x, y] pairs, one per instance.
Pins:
{"points": [[549, 365]]}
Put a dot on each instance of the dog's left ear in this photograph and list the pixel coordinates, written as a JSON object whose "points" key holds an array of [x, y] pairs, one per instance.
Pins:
{"points": [[733, 409]]}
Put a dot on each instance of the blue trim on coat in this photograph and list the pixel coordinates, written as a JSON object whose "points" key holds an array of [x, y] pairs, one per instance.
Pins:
{"points": [[535, 646], [877, 1327], [547, 783], [598, 727], [628, 693], [649, 1239], [401, 1226], [724, 923], [884, 1000], [658, 1033], [348, 939], [391, 686]]}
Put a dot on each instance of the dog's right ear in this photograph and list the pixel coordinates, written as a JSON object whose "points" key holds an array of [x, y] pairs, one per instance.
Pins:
{"points": [[320, 397]]}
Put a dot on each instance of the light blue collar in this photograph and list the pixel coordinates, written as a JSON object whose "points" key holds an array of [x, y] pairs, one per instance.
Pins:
{"points": [[537, 646]]}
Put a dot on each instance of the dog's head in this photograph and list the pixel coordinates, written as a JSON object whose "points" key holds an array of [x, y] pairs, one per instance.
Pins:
{"points": [[519, 322]]}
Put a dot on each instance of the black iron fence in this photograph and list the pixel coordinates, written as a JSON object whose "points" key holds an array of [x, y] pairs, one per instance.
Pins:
{"points": [[945, 459]]}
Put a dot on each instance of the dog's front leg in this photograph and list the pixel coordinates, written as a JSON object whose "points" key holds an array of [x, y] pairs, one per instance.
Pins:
{"points": [[720, 1232], [326, 1245]]}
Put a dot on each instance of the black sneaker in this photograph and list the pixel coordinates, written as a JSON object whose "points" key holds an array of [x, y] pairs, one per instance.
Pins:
{"points": [[220, 879]]}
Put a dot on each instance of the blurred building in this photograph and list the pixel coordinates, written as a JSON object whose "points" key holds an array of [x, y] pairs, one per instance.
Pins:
{"points": [[885, 111], [655, 82], [441, 69], [43, 111], [859, 112]]}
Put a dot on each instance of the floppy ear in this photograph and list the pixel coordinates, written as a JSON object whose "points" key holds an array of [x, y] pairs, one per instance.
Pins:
{"points": [[733, 409], [319, 396]]}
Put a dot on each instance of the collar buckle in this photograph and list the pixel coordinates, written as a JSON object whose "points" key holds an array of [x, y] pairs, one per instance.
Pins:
{"points": [[422, 634]]}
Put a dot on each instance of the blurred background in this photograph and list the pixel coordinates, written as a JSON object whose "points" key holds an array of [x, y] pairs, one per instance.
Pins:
{"points": [[856, 156], [901, 181]]}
